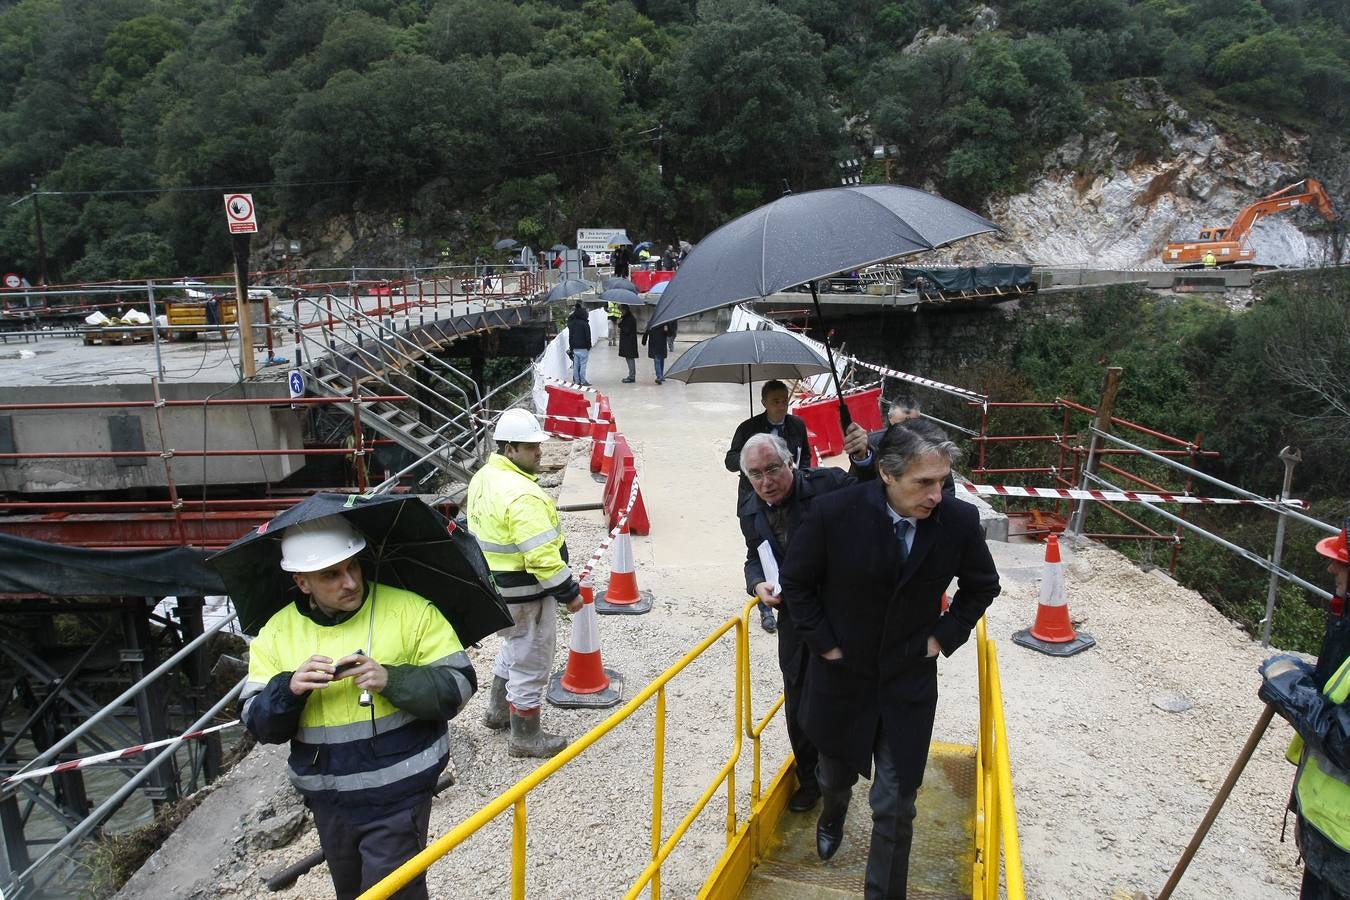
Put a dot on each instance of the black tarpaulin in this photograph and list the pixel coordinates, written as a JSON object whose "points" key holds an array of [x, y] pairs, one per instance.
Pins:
{"points": [[968, 278], [36, 567]]}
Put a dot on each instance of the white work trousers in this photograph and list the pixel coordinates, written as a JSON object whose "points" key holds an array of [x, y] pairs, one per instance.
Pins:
{"points": [[526, 655]]}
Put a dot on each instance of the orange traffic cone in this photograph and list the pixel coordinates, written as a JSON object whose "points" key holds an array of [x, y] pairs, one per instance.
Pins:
{"points": [[1053, 632], [585, 682], [622, 596]]}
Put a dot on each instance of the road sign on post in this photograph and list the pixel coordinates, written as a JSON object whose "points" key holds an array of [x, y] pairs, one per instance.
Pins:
{"points": [[240, 214], [13, 281], [296, 382]]}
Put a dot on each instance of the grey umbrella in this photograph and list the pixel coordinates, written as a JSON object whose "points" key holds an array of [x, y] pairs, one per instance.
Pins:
{"points": [[568, 288], [619, 295], [560, 248], [505, 244], [742, 357], [615, 281], [803, 237]]}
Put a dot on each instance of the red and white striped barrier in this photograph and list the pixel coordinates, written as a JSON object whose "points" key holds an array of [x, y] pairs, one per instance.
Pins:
{"points": [[111, 755], [586, 570], [1011, 490], [926, 382]]}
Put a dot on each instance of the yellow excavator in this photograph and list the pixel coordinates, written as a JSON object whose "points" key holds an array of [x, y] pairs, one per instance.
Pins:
{"points": [[1227, 246]]}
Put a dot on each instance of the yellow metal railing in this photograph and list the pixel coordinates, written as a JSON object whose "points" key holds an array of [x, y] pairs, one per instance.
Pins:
{"points": [[515, 796], [995, 809]]}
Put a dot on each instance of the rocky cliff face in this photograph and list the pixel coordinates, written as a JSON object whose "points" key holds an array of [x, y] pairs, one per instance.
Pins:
{"points": [[1096, 204]]}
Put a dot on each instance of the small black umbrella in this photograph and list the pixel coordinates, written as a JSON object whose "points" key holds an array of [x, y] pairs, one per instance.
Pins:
{"points": [[569, 288], [408, 545], [800, 238], [743, 357], [505, 244], [615, 281], [620, 295]]}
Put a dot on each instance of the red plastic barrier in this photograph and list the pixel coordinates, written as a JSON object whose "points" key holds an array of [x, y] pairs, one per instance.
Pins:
{"points": [[645, 279], [866, 408], [572, 404], [618, 487], [605, 422], [822, 425], [813, 440]]}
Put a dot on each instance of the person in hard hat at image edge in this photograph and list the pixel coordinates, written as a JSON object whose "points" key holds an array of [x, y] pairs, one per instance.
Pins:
{"points": [[517, 527], [366, 772], [1320, 715]]}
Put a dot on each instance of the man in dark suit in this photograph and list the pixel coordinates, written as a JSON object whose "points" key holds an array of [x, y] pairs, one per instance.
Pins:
{"points": [[863, 580], [774, 420], [782, 493]]}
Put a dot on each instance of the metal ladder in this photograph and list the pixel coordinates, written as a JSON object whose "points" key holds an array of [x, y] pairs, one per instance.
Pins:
{"points": [[357, 355]]}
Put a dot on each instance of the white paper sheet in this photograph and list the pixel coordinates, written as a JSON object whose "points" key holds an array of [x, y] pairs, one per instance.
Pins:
{"points": [[770, 566]]}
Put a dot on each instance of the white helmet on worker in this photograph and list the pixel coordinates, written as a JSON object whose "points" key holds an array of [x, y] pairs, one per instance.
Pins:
{"points": [[315, 545], [518, 426]]}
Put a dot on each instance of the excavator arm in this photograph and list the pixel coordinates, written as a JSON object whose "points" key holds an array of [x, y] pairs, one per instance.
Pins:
{"points": [[1308, 192]]}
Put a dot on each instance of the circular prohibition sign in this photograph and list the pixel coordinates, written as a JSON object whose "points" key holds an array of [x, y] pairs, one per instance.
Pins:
{"points": [[239, 207]]}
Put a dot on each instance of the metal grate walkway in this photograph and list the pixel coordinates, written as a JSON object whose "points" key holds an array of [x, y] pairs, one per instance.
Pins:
{"points": [[940, 861]]}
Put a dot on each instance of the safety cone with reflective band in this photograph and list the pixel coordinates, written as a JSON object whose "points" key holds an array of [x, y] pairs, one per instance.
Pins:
{"points": [[1052, 632], [585, 683], [622, 596]]}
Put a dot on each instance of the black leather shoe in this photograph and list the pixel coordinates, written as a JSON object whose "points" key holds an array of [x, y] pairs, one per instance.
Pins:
{"points": [[805, 798], [829, 835], [767, 620]]}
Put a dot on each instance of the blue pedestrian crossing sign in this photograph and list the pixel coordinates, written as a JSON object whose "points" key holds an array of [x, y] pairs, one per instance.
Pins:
{"points": [[296, 379]]}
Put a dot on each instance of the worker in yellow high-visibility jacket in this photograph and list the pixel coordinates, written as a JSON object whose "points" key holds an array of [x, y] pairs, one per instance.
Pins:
{"points": [[1320, 713], [517, 527], [367, 728]]}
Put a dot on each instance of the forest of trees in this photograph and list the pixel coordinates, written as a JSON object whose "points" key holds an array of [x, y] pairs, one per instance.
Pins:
{"points": [[464, 116]]}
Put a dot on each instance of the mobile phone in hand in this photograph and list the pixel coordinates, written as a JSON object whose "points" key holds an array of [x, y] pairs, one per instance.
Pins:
{"points": [[347, 665]]}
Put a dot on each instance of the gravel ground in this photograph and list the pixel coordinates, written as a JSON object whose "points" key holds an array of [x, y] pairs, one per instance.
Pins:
{"points": [[1109, 784]]}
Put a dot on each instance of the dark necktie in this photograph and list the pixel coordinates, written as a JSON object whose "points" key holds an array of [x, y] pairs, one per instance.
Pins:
{"points": [[902, 532]]}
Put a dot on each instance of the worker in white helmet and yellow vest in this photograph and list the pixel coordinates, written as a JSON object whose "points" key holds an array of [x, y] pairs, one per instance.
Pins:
{"points": [[517, 526], [1320, 713], [360, 678]]}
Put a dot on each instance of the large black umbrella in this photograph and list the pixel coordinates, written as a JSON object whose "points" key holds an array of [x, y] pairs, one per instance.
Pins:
{"points": [[743, 357], [800, 238], [408, 545], [616, 281], [569, 288], [620, 295]]}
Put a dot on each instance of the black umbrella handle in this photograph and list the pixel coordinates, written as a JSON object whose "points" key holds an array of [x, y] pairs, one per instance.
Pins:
{"points": [[845, 417]]}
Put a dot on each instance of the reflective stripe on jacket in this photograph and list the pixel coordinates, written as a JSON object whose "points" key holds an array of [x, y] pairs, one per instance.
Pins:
{"points": [[517, 526], [1322, 787], [373, 760]]}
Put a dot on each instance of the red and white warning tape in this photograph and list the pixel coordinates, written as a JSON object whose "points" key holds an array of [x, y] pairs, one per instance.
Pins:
{"points": [[587, 569], [111, 755], [1010, 490], [571, 385], [926, 382]]}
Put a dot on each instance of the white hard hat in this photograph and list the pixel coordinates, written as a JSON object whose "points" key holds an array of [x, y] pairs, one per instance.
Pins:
{"points": [[519, 426], [315, 545]]}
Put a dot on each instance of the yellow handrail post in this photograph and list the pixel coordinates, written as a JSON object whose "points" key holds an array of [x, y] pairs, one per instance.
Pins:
{"points": [[518, 850], [658, 785]]}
